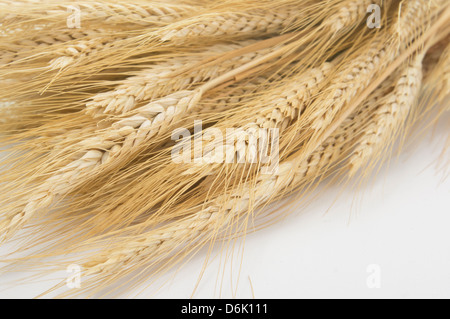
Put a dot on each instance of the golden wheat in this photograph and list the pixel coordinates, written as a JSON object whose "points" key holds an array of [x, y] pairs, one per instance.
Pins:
{"points": [[390, 116], [161, 80], [86, 118]]}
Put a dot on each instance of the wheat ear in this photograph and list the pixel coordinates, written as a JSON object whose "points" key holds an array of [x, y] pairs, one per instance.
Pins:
{"points": [[141, 14], [120, 13], [230, 24], [196, 225], [75, 52], [163, 79], [284, 106], [233, 96], [390, 116], [22, 48], [349, 15], [355, 76], [413, 16]]}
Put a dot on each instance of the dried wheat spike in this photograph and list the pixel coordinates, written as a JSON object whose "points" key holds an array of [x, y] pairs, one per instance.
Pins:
{"points": [[163, 79], [154, 118], [26, 47], [257, 22], [355, 76], [286, 104], [57, 37], [235, 94], [75, 52], [143, 14], [349, 15], [390, 115], [414, 16], [290, 101]]}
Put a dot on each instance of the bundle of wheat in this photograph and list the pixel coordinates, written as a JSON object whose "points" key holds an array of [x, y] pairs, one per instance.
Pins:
{"points": [[92, 118]]}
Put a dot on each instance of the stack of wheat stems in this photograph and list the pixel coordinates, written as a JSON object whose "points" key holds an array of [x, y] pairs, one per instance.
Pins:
{"points": [[88, 116]]}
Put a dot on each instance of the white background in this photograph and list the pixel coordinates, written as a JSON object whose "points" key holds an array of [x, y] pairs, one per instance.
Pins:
{"points": [[400, 223]]}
